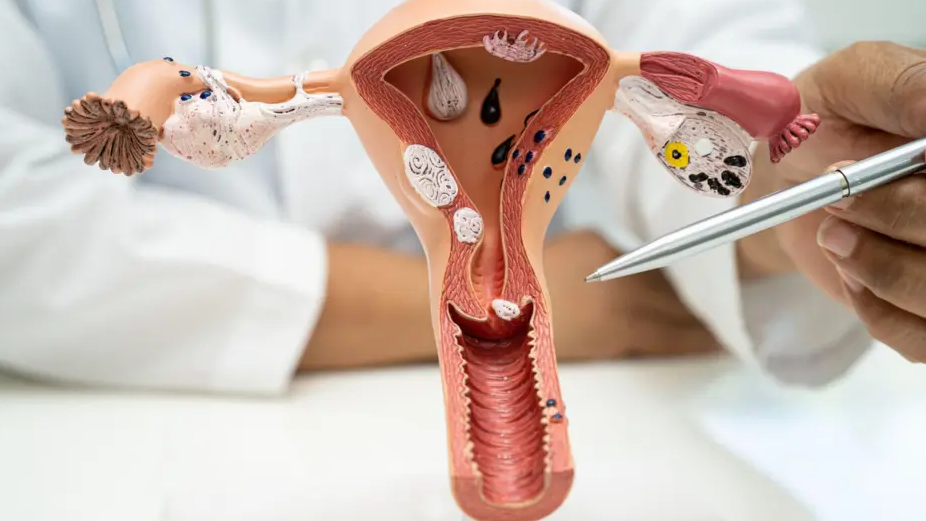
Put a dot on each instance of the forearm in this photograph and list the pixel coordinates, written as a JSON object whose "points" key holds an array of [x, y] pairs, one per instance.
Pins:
{"points": [[376, 312], [640, 315]]}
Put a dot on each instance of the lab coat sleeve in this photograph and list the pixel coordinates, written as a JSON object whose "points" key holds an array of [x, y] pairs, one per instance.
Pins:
{"points": [[107, 282], [782, 326]]}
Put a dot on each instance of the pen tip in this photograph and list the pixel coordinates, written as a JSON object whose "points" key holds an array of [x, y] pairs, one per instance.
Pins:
{"points": [[594, 277]]}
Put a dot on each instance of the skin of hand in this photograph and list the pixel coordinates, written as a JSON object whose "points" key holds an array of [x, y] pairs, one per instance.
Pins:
{"points": [[867, 251], [377, 310]]}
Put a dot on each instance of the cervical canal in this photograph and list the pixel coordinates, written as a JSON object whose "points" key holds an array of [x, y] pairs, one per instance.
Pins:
{"points": [[488, 265]]}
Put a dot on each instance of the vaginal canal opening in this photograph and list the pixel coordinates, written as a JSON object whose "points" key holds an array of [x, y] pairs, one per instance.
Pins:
{"points": [[506, 424]]}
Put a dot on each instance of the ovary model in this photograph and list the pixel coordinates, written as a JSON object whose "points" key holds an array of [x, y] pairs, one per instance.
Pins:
{"points": [[477, 115]]}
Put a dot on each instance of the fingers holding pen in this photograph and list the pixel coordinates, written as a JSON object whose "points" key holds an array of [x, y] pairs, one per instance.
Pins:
{"points": [[896, 210], [899, 329], [884, 279], [892, 270]]}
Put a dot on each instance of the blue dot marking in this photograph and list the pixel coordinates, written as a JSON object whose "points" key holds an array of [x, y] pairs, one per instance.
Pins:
{"points": [[516, 154], [539, 136], [562, 180], [547, 172], [205, 94], [528, 157], [546, 197], [186, 97], [557, 417], [551, 403], [168, 59], [578, 158], [184, 73], [521, 170], [568, 154]]}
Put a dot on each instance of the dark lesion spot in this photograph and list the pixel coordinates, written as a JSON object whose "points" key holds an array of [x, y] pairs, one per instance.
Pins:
{"points": [[577, 158], [500, 154], [698, 178], [539, 136], [568, 154], [547, 172], [730, 179], [529, 116], [546, 197], [562, 180], [715, 186], [737, 161], [491, 111], [521, 170], [529, 157], [676, 155]]}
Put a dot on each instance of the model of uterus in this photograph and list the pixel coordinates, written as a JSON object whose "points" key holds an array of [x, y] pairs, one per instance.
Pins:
{"points": [[478, 115]]}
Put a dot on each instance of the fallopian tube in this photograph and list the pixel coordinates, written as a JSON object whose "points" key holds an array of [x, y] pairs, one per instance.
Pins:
{"points": [[477, 115]]}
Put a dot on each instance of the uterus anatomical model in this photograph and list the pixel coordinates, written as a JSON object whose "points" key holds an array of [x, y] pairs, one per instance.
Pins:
{"points": [[477, 115]]}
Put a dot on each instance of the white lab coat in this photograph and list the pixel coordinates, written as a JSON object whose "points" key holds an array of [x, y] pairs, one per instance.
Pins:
{"points": [[213, 280]]}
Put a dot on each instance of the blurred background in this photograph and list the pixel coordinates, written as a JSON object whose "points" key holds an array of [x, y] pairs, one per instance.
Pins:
{"points": [[845, 21]]}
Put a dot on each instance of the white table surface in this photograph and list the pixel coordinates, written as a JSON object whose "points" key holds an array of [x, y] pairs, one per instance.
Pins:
{"points": [[371, 446], [855, 451]]}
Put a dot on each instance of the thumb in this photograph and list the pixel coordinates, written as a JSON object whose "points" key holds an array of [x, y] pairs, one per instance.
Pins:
{"points": [[875, 84]]}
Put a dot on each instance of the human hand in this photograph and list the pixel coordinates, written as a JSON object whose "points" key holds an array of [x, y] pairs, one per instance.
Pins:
{"points": [[868, 251]]}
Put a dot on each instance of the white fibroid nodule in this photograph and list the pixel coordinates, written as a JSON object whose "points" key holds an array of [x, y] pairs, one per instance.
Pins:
{"points": [[467, 223], [429, 176], [506, 310]]}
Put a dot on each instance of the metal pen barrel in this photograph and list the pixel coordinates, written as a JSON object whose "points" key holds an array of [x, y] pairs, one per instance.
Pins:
{"points": [[729, 226], [885, 167], [769, 211]]}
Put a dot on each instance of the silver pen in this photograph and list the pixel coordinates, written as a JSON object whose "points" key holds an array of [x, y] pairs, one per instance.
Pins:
{"points": [[769, 211]]}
